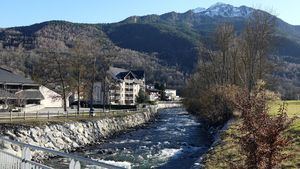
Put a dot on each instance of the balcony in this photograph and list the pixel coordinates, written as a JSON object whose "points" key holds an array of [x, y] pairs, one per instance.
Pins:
{"points": [[128, 98], [116, 91], [117, 98], [129, 92], [128, 87], [129, 80]]}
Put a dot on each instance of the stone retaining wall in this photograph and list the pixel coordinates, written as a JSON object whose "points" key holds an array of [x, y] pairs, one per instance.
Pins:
{"points": [[72, 135]]}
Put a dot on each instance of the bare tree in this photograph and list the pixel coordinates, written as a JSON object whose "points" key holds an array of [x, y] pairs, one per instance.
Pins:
{"points": [[98, 72], [224, 40], [92, 86], [238, 60], [81, 54], [53, 70], [256, 43], [21, 101], [5, 99]]}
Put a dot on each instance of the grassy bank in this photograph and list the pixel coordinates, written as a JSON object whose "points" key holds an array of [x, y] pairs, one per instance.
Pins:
{"points": [[226, 152]]}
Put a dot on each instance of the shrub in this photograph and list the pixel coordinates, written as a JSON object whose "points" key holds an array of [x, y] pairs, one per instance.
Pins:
{"points": [[142, 97], [262, 140], [213, 106]]}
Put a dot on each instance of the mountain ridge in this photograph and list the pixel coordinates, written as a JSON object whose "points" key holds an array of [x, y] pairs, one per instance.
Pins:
{"points": [[225, 10]]}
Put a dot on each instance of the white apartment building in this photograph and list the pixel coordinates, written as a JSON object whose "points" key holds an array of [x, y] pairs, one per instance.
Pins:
{"points": [[123, 88]]}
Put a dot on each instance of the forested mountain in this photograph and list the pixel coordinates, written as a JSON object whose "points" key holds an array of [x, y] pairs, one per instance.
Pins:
{"points": [[166, 46], [20, 45], [172, 34]]}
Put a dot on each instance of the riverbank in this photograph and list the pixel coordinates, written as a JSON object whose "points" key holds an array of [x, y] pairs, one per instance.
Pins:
{"points": [[225, 151], [216, 137], [69, 136]]}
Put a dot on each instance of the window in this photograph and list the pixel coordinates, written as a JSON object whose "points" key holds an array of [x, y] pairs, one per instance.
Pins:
{"points": [[30, 87]]}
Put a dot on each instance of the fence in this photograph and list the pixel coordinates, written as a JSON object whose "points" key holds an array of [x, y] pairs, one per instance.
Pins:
{"points": [[170, 102], [10, 161], [56, 115]]}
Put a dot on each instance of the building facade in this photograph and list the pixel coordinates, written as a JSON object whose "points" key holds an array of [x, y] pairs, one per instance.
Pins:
{"points": [[154, 94], [122, 89], [171, 94], [18, 91]]}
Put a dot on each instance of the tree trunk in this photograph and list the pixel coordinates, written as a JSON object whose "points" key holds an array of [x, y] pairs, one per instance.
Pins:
{"points": [[104, 94], [63, 86], [234, 70], [64, 99], [223, 68], [78, 92], [92, 89]]}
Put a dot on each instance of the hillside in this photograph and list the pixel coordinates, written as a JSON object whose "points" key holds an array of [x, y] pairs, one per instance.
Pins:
{"points": [[18, 48]]}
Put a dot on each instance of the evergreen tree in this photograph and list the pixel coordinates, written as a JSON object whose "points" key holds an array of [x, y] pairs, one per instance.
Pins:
{"points": [[142, 97]]}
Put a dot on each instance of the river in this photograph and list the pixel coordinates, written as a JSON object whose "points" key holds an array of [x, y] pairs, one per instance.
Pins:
{"points": [[175, 139]]}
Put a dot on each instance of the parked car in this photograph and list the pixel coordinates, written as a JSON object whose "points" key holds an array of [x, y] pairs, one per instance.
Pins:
{"points": [[82, 104], [16, 109]]}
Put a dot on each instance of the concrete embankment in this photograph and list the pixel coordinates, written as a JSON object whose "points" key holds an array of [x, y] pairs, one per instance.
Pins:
{"points": [[72, 135]]}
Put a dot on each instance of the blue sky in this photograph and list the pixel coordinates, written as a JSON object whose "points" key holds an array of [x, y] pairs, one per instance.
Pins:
{"points": [[27, 12]]}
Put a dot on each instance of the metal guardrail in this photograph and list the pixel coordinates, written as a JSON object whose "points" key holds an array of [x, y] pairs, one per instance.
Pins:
{"points": [[10, 161]]}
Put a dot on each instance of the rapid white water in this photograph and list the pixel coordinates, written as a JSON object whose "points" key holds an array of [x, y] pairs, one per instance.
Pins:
{"points": [[174, 140]]}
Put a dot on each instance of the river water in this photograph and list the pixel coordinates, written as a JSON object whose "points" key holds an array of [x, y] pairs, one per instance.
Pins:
{"points": [[175, 139]]}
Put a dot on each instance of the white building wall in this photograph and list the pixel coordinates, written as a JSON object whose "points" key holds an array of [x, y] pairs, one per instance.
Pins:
{"points": [[136, 89], [51, 98], [171, 94], [122, 93], [97, 93], [153, 96]]}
